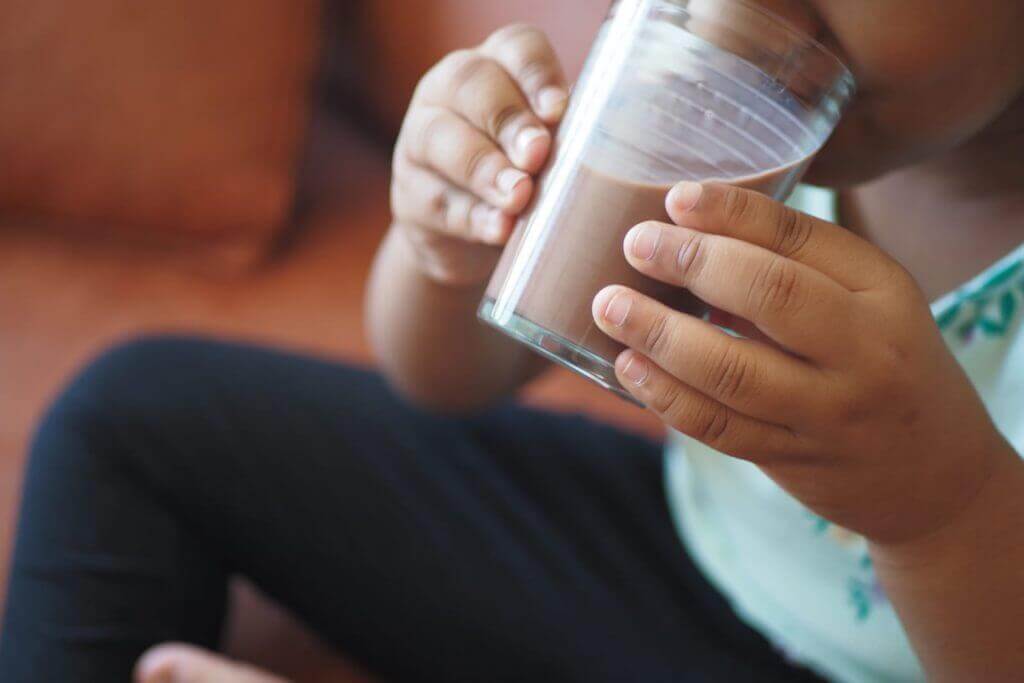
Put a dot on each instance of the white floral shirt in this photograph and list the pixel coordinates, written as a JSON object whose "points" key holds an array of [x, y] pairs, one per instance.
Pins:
{"points": [[806, 584]]}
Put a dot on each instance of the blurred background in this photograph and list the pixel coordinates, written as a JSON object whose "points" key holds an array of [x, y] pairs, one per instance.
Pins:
{"points": [[221, 168]]}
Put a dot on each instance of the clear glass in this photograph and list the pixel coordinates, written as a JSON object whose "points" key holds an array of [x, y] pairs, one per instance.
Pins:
{"points": [[672, 90]]}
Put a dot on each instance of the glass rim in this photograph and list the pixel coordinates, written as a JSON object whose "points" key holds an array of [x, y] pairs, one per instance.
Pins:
{"points": [[844, 74]]}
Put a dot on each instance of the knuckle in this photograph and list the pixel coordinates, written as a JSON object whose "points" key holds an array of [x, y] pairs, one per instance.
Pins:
{"points": [[880, 391], [730, 375], [430, 80], [402, 205], [412, 194], [429, 126], [888, 371], [851, 409], [533, 69], [457, 63], [466, 68], [737, 205], [526, 51], [396, 197], [710, 424], [474, 161], [899, 277], [514, 33], [398, 187], [438, 80], [690, 256], [657, 338], [497, 118], [401, 150], [669, 400], [776, 288], [793, 231]]}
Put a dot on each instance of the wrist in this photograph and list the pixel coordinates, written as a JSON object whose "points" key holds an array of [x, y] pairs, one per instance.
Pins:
{"points": [[445, 262], [988, 516], [957, 590]]}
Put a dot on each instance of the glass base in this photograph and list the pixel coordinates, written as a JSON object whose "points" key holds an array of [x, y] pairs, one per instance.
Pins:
{"points": [[558, 349]]}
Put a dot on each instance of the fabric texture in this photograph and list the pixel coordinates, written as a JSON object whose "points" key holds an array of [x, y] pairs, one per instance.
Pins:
{"points": [[179, 127], [516, 545], [805, 583]]}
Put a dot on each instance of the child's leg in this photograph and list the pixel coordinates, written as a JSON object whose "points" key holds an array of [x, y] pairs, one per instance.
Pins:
{"points": [[514, 546]]}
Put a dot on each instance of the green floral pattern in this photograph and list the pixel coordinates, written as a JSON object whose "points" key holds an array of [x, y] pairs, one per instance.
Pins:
{"points": [[863, 588], [988, 310]]}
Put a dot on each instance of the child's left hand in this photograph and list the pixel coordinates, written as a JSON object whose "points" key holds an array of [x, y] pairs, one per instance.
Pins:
{"points": [[847, 397]]}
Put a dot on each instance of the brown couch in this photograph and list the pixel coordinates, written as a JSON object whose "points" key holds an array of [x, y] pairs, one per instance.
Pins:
{"points": [[147, 161]]}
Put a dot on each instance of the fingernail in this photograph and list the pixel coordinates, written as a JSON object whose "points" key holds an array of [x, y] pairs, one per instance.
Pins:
{"points": [[685, 195], [551, 100], [509, 178], [636, 369], [526, 138], [644, 240], [617, 309]]}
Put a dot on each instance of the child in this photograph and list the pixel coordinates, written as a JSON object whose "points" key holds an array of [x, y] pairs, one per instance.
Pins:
{"points": [[844, 486]]}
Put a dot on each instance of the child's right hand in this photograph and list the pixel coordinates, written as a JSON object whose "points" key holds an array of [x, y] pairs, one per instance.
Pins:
{"points": [[476, 133]]}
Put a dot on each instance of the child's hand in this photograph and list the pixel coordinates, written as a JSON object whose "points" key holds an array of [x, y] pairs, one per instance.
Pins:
{"points": [[855, 405], [477, 130]]}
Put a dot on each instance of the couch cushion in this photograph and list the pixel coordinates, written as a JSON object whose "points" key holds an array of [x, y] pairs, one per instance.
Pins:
{"points": [[164, 120]]}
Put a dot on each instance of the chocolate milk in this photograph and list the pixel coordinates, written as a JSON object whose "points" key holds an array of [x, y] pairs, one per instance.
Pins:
{"points": [[679, 108], [584, 253]]}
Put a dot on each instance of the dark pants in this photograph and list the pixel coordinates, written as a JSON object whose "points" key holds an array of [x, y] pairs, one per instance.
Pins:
{"points": [[517, 545]]}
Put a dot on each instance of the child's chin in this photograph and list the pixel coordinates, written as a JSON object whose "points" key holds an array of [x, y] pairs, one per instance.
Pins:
{"points": [[837, 170]]}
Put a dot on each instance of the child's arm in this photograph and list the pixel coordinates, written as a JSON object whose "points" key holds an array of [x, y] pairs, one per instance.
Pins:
{"points": [[960, 591], [850, 400], [476, 131], [429, 342]]}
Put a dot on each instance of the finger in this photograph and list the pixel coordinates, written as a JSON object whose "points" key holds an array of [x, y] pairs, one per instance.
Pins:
{"points": [[742, 327], [796, 306], [440, 140], [752, 217], [687, 410], [180, 663], [744, 375], [480, 90], [529, 58], [422, 197]]}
